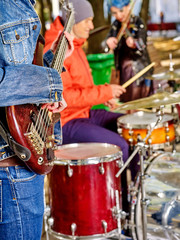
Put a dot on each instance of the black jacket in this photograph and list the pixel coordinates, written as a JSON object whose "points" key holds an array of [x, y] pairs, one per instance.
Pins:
{"points": [[139, 56]]}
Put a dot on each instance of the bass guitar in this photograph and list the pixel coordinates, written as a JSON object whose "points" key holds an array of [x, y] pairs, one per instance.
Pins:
{"points": [[32, 126]]}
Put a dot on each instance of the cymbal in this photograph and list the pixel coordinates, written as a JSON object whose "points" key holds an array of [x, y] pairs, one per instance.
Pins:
{"points": [[170, 75], [154, 101]]}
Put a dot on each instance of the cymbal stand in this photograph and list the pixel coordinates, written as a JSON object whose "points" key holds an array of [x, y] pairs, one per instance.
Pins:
{"points": [[140, 149], [172, 83]]}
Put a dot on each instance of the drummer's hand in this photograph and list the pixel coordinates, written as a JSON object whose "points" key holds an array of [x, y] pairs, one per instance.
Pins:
{"points": [[130, 42], [112, 42], [112, 103], [117, 90], [55, 107], [70, 47]]}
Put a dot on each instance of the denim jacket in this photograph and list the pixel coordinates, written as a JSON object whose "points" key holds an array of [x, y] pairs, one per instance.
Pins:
{"points": [[22, 82]]}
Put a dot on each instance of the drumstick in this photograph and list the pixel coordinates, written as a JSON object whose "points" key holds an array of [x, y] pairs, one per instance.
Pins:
{"points": [[138, 75]]}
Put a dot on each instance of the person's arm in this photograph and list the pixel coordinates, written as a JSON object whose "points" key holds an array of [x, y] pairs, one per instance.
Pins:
{"points": [[29, 83], [111, 40], [82, 96], [85, 96], [140, 37]]}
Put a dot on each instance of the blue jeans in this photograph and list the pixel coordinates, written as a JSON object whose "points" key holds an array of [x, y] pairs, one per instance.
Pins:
{"points": [[21, 204]]}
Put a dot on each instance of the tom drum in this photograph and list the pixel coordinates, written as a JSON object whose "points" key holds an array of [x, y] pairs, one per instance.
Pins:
{"points": [[85, 195], [134, 127]]}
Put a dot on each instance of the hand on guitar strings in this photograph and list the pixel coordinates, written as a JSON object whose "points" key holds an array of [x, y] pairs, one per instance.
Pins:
{"points": [[69, 38], [55, 107]]}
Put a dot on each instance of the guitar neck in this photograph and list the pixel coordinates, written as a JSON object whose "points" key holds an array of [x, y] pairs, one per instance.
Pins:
{"points": [[126, 22], [59, 56]]}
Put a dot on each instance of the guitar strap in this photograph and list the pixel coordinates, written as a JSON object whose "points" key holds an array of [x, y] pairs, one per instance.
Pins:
{"points": [[22, 152]]}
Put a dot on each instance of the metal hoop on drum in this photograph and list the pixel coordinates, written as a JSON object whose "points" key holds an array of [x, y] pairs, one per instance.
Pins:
{"points": [[85, 194], [162, 186]]}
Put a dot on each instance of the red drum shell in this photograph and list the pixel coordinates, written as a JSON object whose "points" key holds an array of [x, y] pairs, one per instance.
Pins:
{"points": [[86, 198]]}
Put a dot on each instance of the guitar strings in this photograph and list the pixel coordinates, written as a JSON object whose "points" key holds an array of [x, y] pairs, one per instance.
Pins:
{"points": [[58, 61], [43, 121]]}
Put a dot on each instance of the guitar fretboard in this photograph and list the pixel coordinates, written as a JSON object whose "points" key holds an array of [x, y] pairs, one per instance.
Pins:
{"points": [[59, 56]]}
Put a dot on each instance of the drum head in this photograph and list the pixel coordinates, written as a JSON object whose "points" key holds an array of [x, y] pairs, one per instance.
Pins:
{"points": [[141, 120], [86, 153], [162, 187]]}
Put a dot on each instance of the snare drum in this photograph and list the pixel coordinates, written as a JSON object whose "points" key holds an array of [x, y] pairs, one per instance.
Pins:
{"points": [[85, 195], [162, 188], [134, 127]]}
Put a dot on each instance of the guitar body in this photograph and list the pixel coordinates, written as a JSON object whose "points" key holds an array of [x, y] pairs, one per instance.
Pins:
{"points": [[32, 127]]}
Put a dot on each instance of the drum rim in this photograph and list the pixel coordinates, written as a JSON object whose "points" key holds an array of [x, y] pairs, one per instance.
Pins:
{"points": [[73, 145], [88, 237], [89, 160]]}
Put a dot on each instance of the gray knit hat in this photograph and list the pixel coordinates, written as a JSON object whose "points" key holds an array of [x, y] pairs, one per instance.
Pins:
{"points": [[82, 10]]}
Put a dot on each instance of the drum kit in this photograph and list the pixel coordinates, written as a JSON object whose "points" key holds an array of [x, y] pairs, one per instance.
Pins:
{"points": [[85, 192]]}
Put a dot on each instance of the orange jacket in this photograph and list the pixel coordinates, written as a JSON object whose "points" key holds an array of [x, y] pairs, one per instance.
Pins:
{"points": [[79, 91]]}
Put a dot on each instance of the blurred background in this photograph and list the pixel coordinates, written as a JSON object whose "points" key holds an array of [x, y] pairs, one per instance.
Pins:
{"points": [[161, 17]]}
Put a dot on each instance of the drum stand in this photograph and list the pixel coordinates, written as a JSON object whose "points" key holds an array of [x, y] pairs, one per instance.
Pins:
{"points": [[140, 149]]}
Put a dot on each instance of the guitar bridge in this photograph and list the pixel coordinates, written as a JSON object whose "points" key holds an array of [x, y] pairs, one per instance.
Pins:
{"points": [[38, 129], [35, 140]]}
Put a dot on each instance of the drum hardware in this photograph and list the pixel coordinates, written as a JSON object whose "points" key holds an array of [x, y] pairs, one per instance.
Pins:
{"points": [[101, 169], [141, 150], [166, 212], [120, 163], [162, 208], [73, 229], [69, 171], [50, 221], [172, 205], [139, 138], [143, 196], [105, 225], [164, 134], [128, 161], [118, 214]]}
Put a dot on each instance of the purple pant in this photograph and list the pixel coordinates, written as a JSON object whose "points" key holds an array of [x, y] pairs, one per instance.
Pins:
{"points": [[101, 127]]}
